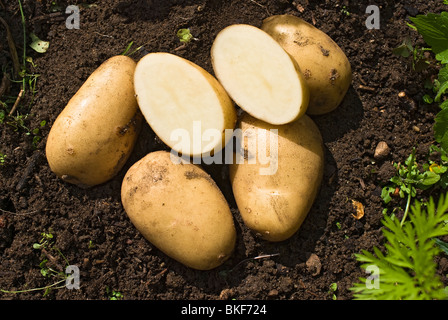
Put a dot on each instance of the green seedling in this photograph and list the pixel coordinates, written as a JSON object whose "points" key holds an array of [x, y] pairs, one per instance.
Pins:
{"points": [[47, 247], [332, 290], [113, 294], [18, 122], [345, 11], [427, 99], [55, 7], [2, 159], [127, 51], [44, 242], [405, 49], [185, 36], [36, 133], [407, 269], [417, 54], [407, 180]]}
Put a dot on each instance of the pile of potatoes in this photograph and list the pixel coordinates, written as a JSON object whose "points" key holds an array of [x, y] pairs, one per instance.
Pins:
{"points": [[276, 76]]}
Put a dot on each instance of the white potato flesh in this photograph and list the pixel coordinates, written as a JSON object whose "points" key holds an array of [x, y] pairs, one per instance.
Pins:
{"points": [[259, 75], [185, 105]]}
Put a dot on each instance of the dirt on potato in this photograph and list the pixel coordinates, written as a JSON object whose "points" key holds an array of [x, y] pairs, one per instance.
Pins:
{"points": [[90, 227]]}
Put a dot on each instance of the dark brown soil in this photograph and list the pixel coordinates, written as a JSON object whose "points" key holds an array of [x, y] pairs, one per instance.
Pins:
{"points": [[91, 228]]}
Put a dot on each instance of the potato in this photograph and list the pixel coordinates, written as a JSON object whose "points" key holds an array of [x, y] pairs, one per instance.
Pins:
{"points": [[177, 207], [259, 75], [185, 105], [325, 66], [274, 195], [93, 136]]}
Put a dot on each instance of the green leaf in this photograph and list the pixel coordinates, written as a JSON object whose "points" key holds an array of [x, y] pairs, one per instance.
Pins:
{"points": [[442, 89], [430, 178], [405, 49], [407, 267], [434, 30], [184, 35], [43, 263], [442, 81], [442, 245], [444, 104], [127, 48], [385, 194], [441, 127], [443, 74], [428, 99]]}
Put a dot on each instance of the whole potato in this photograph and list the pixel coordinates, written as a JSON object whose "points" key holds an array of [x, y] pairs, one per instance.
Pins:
{"points": [[275, 194], [93, 136], [325, 66], [179, 209]]}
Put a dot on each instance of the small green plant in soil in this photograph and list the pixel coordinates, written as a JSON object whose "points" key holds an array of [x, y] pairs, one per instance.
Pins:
{"points": [[407, 180], [12, 110], [18, 123], [185, 35], [345, 11], [2, 159], [407, 270], [49, 250], [36, 133], [50, 257], [114, 294], [332, 290], [416, 54], [128, 52]]}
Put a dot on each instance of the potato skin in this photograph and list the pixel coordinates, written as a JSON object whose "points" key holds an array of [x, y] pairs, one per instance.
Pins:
{"points": [[180, 210], [274, 206], [93, 136], [325, 66]]}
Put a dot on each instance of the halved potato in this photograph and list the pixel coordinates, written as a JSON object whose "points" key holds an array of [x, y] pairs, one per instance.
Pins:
{"points": [[184, 104], [259, 75]]}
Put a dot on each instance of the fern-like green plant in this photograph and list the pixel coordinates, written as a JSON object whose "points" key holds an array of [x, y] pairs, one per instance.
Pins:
{"points": [[407, 270]]}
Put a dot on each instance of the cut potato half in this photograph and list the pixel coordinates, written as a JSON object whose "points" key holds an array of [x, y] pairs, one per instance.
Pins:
{"points": [[185, 105], [259, 75]]}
